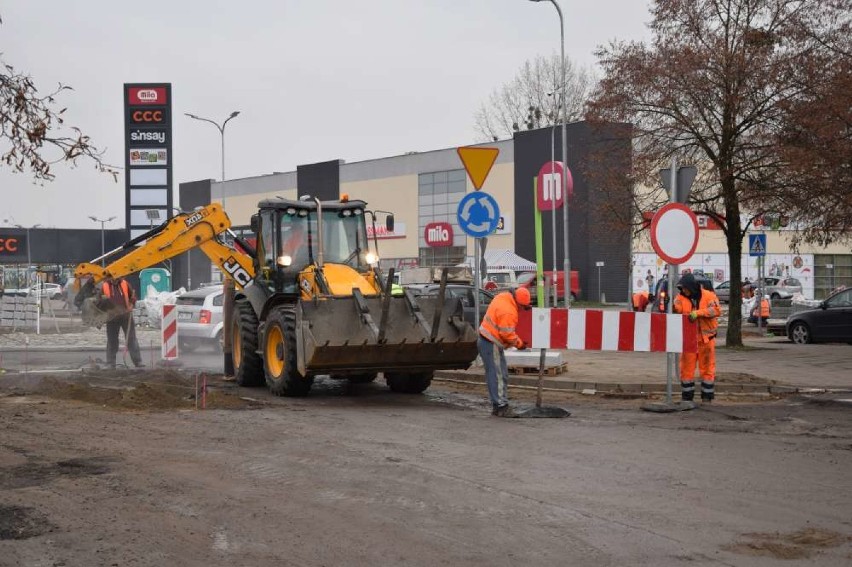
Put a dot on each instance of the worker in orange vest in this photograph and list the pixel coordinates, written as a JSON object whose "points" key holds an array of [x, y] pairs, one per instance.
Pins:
{"points": [[764, 311], [702, 307], [498, 332], [122, 298], [640, 300]]}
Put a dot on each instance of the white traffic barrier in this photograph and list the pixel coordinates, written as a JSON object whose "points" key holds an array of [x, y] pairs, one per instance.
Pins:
{"points": [[170, 332], [595, 329]]}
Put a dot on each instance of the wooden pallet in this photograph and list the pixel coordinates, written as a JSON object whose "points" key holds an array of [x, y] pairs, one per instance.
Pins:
{"points": [[533, 370]]}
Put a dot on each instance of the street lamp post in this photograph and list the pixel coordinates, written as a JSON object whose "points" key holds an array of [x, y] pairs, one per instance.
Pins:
{"points": [[221, 129], [103, 222], [228, 288], [567, 263], [29, 258], [29, 265]]}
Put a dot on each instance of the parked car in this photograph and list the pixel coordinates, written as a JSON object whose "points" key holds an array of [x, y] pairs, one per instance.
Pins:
{"points": [[42, 290], [781, 287], [529, 280], [200, 318], [500, 280], [830, 322], [723, 292], [465, 294]]}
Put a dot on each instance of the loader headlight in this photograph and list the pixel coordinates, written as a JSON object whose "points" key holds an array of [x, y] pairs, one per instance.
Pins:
{"points": [[372, 259], [285, 261]]}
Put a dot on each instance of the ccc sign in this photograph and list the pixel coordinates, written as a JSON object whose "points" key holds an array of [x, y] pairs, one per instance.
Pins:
{"points": [[12, 245], [148, 116]]}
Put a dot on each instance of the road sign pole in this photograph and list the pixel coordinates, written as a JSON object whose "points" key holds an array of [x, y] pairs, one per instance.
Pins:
{"points": [[476, 279], [539, 250], [670, 357]]}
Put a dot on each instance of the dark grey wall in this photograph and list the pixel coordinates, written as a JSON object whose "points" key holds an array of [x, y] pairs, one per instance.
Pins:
{"points": [[591, 237], [319, 180], [60, 245], [192, 194]]}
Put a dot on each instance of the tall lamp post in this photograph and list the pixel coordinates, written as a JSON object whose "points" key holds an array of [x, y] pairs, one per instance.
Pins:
{"points": [[228, 288], [567, 263], [29, 258], [221, 129], [103, 222]]}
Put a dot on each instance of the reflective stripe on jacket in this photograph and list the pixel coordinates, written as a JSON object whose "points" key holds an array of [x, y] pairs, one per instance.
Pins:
{"points": [[708, 310], [126, 291], [501, 320]]}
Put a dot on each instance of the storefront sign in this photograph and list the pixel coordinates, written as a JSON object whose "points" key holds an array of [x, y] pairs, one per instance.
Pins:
{"points": [[438, 234], [383, 233]]}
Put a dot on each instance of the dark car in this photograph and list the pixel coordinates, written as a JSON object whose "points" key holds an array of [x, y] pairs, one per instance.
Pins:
{"points": [[830, 322], [465, 294]]}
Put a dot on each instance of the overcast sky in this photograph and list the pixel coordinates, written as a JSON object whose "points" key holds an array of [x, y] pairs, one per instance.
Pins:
{"points": [[315, 80]]}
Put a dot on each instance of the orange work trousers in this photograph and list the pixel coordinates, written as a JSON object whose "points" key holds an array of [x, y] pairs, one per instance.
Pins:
{"points": [[706, 360]]}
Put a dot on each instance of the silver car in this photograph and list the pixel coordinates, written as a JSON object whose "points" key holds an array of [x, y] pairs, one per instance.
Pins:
{"points": [[781, 287], [200, 318], [723, 292]]}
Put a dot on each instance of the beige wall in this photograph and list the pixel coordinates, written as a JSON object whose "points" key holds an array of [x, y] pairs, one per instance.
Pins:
{"points": [[777, 242], [241, 208], [397, 195]]}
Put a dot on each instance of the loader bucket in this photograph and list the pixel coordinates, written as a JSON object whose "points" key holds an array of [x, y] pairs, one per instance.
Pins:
{"points": [[348, 335]]}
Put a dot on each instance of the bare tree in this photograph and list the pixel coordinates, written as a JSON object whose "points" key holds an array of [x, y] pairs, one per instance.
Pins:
{"points": [[33, 131], [716, 87], [531, 100]]}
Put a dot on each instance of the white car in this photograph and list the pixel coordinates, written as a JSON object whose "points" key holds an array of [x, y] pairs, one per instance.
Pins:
{"points": [[42, 290], [200, 318]]}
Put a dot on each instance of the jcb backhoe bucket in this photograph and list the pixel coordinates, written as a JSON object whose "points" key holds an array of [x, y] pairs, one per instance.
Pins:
{"points": [[353, 334]]}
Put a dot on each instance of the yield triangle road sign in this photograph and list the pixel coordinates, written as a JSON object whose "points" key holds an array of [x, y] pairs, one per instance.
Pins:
{"points": [[478, 162], [757, 245]]}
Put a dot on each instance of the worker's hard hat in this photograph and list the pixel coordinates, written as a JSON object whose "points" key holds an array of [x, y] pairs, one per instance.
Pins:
{"points": [[522, 296]]}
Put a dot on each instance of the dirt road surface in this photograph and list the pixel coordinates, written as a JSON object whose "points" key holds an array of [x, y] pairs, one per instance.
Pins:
{"points": [[109, 469]]}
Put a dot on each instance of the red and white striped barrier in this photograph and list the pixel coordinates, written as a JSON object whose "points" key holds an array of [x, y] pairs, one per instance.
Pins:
{"points": [[170, 332], [594, 329]]}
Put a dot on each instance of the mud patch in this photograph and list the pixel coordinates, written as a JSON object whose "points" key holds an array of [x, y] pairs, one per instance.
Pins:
{"points": [[17, 522], [796, 545], [741, 378], [38, 473], [135, 391]]}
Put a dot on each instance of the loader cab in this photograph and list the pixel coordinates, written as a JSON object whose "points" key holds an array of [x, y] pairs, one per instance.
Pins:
{"points": [[289, 240]]}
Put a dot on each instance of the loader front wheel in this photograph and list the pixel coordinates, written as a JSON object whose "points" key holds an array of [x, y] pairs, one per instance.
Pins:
{"points": [[248, 364], [408, 383], [279, 355]]}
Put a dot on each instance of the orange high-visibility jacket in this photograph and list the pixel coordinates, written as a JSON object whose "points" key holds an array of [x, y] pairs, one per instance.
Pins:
{"points": [[126, 291], [640, 300], [764, 309], [708, 310], [501, 320]]}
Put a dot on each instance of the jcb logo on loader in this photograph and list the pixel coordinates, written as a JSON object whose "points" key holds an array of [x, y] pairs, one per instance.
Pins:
{"points": [[240, 275], [195, 218]]}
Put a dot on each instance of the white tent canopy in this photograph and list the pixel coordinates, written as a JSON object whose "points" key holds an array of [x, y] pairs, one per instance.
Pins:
{"points": [[505, 260]]}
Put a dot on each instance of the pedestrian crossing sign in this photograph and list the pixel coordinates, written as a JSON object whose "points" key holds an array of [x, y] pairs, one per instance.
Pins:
{"points": [[757, 245]]}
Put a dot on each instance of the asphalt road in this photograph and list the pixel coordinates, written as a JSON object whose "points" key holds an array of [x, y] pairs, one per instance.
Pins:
{"points": [[361, 476]]}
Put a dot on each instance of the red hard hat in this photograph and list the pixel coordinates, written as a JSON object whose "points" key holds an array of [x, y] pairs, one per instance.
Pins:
{"points": [[522, 296]]}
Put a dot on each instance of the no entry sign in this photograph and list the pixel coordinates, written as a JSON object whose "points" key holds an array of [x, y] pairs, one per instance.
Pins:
{"points": [[674, 233]]}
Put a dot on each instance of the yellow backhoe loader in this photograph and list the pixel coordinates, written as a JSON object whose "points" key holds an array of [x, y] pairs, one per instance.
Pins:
{"points": [[310, 299]]}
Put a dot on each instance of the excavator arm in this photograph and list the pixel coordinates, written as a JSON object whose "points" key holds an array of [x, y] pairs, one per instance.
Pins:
{"points": [[181, 233]]}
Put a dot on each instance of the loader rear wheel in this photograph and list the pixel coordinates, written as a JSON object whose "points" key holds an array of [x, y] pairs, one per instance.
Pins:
{"points": [[408, 383], [279, 355], [248, 365]]}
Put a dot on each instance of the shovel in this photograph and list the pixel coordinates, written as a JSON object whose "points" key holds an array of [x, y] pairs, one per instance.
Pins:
{"points": [[539, 410]]}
